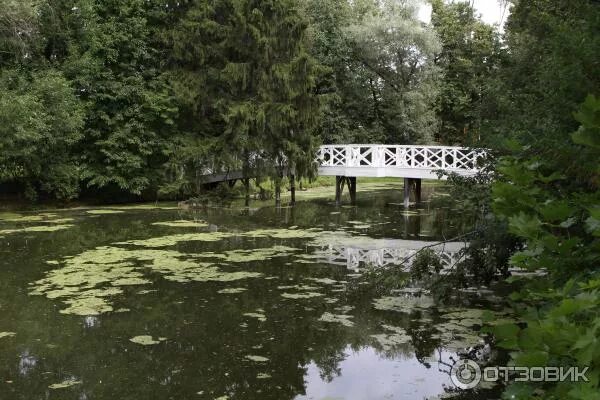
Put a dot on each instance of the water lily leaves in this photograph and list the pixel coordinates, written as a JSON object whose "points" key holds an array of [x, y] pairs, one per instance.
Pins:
{"points": [[41, 228], [305, 295], [182, 224], [260, 316], [7, 334], [337, 318], [146, 340], [241, 256], [103, 212], [232, 290], [87, 281], [65, 384], [406, 304], [254, 358], [172, 240]]}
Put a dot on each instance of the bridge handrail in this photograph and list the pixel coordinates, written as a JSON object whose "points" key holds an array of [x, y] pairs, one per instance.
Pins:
{"points": [[403, 156]]}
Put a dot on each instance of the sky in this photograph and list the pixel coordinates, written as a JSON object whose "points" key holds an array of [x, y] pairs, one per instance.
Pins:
{"points": [[492, 12]]}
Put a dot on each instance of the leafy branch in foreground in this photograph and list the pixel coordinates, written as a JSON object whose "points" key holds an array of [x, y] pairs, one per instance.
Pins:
{"points": [[553, 206]]}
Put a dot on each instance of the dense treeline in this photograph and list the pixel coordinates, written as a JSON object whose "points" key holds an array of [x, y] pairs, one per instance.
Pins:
{"points": [[106, 98]]}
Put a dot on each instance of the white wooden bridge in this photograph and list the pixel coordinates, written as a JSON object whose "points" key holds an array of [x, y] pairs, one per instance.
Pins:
{"points": [[413, 163], [349, 161], [418, 162]]}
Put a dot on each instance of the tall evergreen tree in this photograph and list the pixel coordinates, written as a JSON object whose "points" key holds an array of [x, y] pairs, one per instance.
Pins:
{"points": [[246, 87]]}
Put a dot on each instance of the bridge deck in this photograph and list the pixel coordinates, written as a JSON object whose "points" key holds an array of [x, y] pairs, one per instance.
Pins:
{"points": [[419, 162]]}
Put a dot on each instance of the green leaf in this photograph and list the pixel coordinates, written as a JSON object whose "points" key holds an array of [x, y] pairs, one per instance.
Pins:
{"points": [[525, 225], [554, 211]]}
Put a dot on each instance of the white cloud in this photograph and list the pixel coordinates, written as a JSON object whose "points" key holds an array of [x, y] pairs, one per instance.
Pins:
{"points": [[492, 11]]}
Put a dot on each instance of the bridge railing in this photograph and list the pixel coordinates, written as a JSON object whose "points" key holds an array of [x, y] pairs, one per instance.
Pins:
{"points": [[427, 157]]}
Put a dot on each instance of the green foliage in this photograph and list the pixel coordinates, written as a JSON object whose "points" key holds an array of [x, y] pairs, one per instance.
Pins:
{"points": [[469, 57], [253, 105], [380, 84], [128, 103], [554, 209], [547, 67], [40, 120]]}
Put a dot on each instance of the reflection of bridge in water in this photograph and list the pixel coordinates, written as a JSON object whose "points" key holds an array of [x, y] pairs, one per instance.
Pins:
{"points": [[387, 252]]}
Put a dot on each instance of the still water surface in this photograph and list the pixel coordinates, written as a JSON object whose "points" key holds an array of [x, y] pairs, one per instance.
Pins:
{"points": [[159, 303]]}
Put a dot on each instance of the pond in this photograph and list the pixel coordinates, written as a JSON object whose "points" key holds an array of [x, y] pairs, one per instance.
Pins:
{"points": [[148, 302]]}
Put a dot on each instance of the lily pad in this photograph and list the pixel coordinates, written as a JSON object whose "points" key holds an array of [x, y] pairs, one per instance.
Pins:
{"points": [[232, 290], [103, 212], [146, 340], [257, 358], [182, 224], [306, 295], [65, 384], [7, 334], [337, 318]]}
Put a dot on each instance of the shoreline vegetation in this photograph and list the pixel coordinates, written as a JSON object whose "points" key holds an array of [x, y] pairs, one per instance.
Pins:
{"points": [[322, 187]]}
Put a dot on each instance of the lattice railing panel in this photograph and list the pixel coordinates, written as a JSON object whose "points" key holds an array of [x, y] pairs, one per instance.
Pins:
{"points": [[425, 157]]}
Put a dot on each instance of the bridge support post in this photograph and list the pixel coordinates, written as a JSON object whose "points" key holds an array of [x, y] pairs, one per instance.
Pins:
{"points": [[339, 187], [412, 186], [277, 194], [247, 190], [352, 189], [293, 189], [418, 190]]}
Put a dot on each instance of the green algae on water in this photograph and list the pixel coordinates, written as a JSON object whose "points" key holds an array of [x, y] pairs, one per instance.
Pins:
{"points": [[65, 384], [306, 295], [146, 340], [88, 281], [103, 212], [260, 316], [41, 228], [337, 318], [232, 290], [241, 256], [257, 358], [389, 341], [182, 224], [172, 240], [405, 304]]}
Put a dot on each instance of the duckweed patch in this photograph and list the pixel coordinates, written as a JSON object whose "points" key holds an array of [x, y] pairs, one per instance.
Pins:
{"points": [[257, 358], [182, 224], [259, 316], [242, 256], [87, 282], [232, 290], [103, 212], [146, 340], [390, 341], [172, 240], [337, 318], [405, 304], [65, 384], [41, 228], [306, 295]]}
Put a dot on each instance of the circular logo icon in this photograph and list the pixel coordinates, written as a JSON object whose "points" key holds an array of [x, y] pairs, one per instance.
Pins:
{"points": [[465, 374]]}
